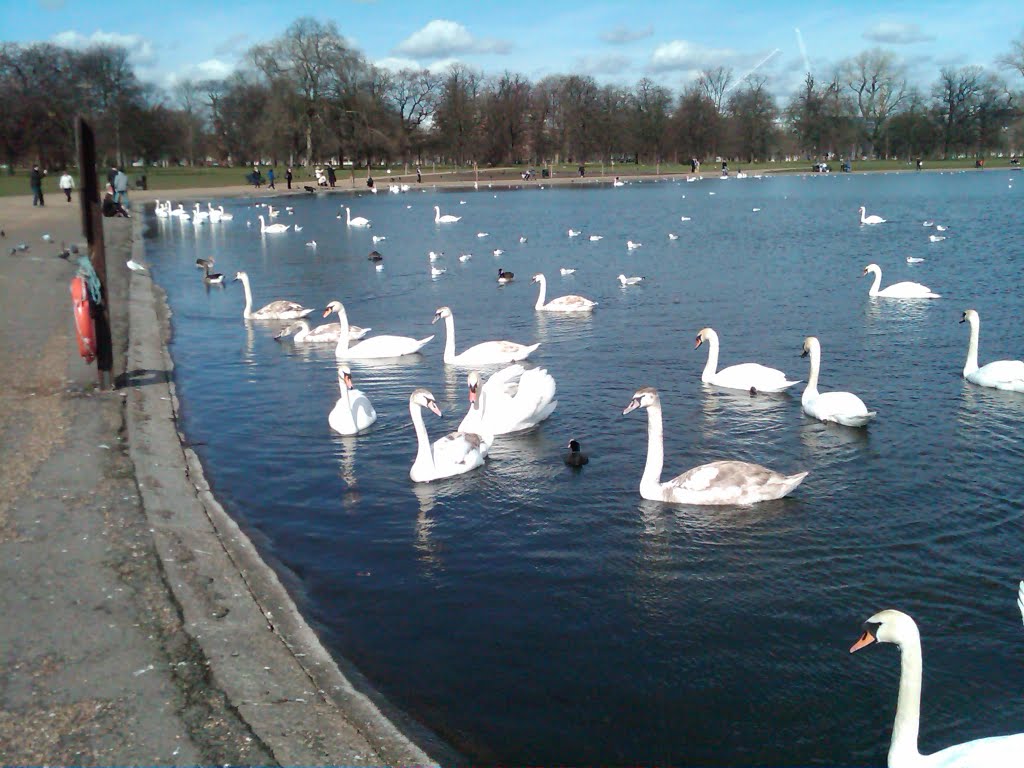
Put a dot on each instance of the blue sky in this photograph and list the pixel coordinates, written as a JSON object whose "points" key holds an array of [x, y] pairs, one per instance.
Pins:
{"points": [[666, 40]]}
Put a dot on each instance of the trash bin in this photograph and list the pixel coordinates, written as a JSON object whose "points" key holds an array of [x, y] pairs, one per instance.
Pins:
{"points": [[545, 173]]}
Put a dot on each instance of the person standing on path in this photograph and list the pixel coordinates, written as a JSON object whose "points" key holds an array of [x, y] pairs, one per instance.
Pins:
{"points": [[67, 184], [270, 178], [35, 181], [331, 177], [121, 187], [288, 177]]}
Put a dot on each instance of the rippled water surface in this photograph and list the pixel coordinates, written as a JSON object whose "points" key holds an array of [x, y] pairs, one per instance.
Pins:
{"points": [[528, 613]]}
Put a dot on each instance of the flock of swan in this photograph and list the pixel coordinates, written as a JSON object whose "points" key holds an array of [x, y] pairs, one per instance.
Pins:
{"points": [[515, 399]]}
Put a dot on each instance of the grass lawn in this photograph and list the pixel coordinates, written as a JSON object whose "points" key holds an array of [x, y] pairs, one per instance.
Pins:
{"points": [[183, 178]]}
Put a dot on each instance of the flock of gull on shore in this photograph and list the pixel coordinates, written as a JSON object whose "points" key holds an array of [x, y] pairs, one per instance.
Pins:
{"points": [[516, 399]]}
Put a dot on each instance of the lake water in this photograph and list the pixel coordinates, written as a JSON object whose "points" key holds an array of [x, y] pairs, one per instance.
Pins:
{"points": [[528, 613]]}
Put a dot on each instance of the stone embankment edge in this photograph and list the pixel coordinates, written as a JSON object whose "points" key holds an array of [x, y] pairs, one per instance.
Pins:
{"points": [[260, 651]]}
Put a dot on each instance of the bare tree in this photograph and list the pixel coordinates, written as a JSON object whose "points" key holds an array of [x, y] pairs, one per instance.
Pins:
{"points": [[1014, 59], [878, 85], [413, 95], [954, 95], [714, 83]]}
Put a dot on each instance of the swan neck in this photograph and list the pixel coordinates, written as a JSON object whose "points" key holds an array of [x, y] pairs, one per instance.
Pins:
{"points": [[877, 282], [424, 458], [437, 213], [247, 312], [343, 335], [812, 379], [449, 341], [972, 348], [263, 225], [903, 747], [543, 290], [346, 396], [655, 447], [711, 367]]}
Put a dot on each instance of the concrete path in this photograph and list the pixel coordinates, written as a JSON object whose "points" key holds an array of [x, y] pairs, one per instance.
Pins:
{"points": [[139, 623]]}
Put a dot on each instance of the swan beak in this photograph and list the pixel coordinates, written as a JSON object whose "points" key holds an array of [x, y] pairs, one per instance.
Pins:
{"points": [[327, 311], [433, 406], [866, 639], [964, 318], [348, 380], [804, 353], [437, 317], [633, 405], [699, 342], [473, 397]]}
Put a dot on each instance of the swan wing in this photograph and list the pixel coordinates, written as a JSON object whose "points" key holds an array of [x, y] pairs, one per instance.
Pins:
{"points": [[460, 449], [908, 290], [752, 376], [570, 303], [324, 334], [840, 407], [730, 482], [283, 310], [385, 346], [1000, 374], [531, 403], [363, 413], [495, 352], [993, 751]]}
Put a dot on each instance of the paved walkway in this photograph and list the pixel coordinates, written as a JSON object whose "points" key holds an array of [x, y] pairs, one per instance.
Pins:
{"points": [[140, 626]]}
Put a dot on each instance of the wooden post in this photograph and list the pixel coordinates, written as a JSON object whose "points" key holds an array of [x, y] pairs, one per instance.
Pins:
{"points": [[92, 227]]}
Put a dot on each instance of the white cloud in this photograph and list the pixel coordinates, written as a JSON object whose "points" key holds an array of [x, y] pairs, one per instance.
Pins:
{"points": [[397, 63], [623, 34], [895, 33], [682, 55], [440, 38], [140, 50]]}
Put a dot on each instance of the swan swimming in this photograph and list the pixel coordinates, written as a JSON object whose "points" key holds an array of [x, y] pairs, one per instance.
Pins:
{"points": [[273, 229], [454, 454], [720, 482], [275, 310], [840, 407], [904, 290], [485, 353], [373, 347], [353, 412], [446, 219], [872, 219], [623, 280], [512, 400], [896, 627], [574, 232], [750, 377], [570, 303], [357, 221], [566, 271], [328, 333], [999, 374]]}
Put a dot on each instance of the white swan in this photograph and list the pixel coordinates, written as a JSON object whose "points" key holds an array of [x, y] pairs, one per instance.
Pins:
{"points": [[215, 215], [199, 214], [1000, 374], [161, 210], [375, 346], [273, 229], [353, 412], [574, 232], [446, 219], [623, 280], [895, 627], [570, 303], [275, 310], [752, 377], [720, 482], [904, 290], [485, 353], [454, 454], [567, 271], [226, 216], [841, 407], [872, 219], [328, 333], [512, 400], [358, 221]]}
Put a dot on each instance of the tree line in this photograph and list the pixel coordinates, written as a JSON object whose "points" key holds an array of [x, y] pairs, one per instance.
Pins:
{"points": [[309, 97]]}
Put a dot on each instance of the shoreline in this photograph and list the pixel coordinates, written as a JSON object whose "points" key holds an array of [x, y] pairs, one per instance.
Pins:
{"points": [[198, 654]]}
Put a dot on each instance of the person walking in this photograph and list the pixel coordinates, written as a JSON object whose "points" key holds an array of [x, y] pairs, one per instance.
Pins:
{"points": [[270, 178], [121, 187], [288, 177], [67, 183], [331, 177], [35, 181]]}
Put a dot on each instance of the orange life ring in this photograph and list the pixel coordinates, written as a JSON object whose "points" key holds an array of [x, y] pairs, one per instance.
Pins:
{"points": [[84, 327]]}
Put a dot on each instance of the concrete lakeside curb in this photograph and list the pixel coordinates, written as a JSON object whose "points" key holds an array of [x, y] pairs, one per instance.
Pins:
{"points": [[260, 651]]}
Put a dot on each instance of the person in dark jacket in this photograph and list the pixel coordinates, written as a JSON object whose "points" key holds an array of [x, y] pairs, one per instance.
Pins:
{"points": [[270, 178], [288, 177], [331, 177], [35, 181]]}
